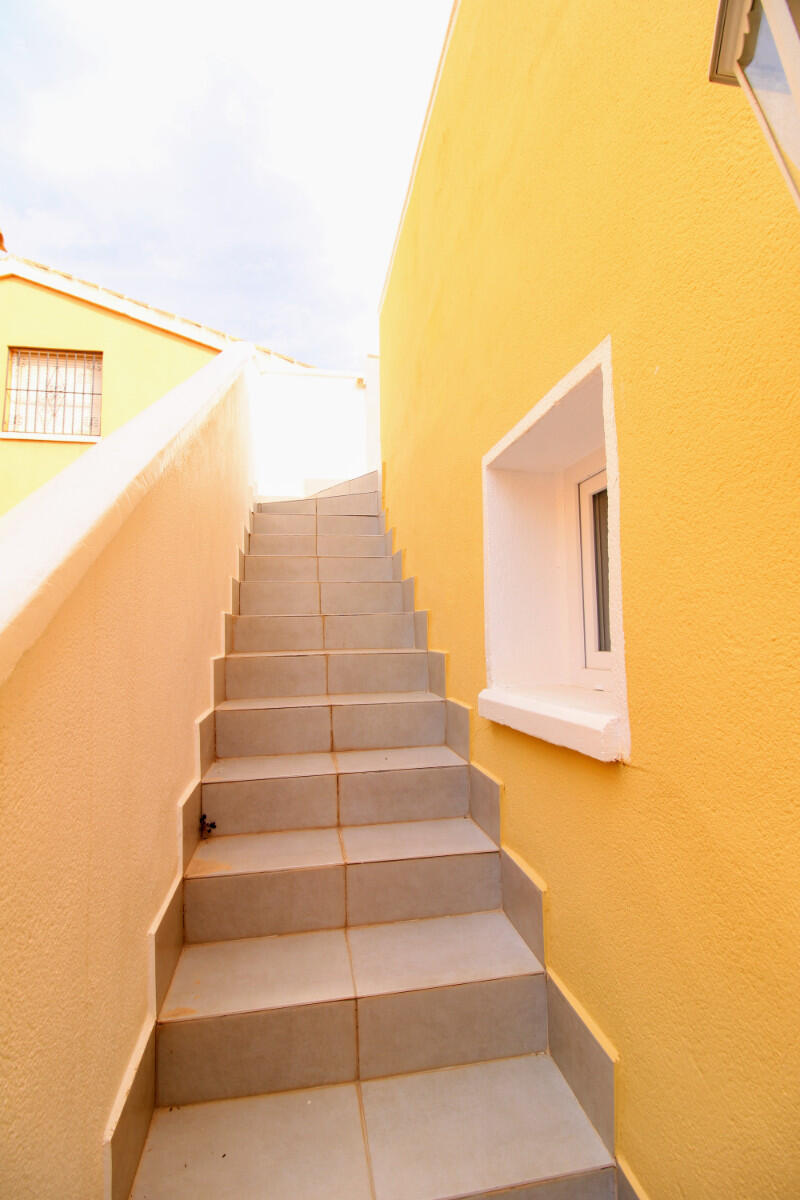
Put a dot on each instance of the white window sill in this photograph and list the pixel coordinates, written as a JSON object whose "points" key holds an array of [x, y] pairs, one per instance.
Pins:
{"points": [[579, 718], [48, 437]]}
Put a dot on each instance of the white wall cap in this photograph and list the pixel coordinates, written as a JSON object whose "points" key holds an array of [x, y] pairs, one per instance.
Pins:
{"points": [[49, 540]]}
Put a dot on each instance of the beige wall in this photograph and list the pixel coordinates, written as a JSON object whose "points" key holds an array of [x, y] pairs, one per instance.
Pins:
{"points": [[140, 364], [97, 745]]}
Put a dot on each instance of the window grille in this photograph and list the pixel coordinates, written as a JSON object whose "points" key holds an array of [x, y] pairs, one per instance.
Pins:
{"points": [[53, 392]]}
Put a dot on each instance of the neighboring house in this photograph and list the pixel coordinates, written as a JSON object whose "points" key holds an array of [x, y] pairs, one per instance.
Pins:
{"points": [[77, 361], [597, 271]]}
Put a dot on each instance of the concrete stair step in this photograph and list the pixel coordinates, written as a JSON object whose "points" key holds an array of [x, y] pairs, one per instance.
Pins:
{"points": [[252, 885], [356, 787], [297, 568], [287, 673], [292, 598], [510, 1129], [316, 523], [343, 721], [427, 994], [359, 504], [367, 631]]}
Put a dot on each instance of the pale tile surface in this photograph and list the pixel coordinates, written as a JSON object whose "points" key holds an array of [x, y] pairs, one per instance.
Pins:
{"points": [[414, 839], [334, 569], [422, 887], [267, 805], [290, 543], [279, 598], [522, 901], [417, 721], [251, 675], [400, 758], [257, 973], [350, 545], [288, 568], [262, 728], [585, 1064], [361, 597], [370, 631], [277, 633], [237, 906], [484, 802], [399, 671], [441, 1027], [245, 1053], [278, 766], [434, 953], [422, 794], [254, 852], [476, 1128]]}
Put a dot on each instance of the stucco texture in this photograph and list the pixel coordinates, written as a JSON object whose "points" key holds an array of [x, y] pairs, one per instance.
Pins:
{"points": [[97, 745], [581, 178], [140, 364]]}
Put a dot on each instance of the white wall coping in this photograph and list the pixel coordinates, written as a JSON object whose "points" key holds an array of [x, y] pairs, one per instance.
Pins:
{"points": [[49, 540], [15, 267], [575, 717]]}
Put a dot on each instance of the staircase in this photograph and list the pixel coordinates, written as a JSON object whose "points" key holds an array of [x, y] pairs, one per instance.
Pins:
{"points": [[352, 1015]]}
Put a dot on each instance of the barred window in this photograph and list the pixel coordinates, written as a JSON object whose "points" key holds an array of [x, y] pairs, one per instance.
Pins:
{"points": [[53, 392]]}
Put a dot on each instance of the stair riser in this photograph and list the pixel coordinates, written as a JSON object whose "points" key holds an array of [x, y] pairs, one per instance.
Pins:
{"points": [[300, 675], [422, 887], [274, 525], [288, 507], [273, 731], [296, 901], [237, 906], [244, 1054], [313, 674], [446, 1026], [357, 570], [319, 728], [289, 543], [352, 546], [270, 805], [276, 568], [275, 598], [373, 631], [377, 797]]}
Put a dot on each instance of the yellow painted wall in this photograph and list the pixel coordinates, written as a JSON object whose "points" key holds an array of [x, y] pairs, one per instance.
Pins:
{"points": [[97, 746], [140, 364], [581, 178]]}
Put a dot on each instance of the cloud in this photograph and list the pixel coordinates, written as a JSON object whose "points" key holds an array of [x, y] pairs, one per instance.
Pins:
{"points": [[243, 165]]}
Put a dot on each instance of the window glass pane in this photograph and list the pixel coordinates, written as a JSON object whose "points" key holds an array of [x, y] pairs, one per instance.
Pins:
{"points": [[600, 514], [766, 75]]}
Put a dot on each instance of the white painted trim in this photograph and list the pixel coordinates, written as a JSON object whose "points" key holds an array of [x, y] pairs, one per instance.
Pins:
{"points": [[80, 289], [565, 717], [597, 660], [537, 677], [420, 144], [81, 508]]}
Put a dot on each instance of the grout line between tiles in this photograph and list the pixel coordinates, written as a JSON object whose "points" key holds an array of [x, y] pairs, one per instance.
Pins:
{"points": [[368, 1153]]}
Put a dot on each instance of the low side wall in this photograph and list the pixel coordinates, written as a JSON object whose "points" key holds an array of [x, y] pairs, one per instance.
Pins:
{"points": [[97, 746]]}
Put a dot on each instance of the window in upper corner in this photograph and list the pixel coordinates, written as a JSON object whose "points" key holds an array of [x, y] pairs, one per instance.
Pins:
{"points": [[53, 392], [757, 46], [552, 570]]}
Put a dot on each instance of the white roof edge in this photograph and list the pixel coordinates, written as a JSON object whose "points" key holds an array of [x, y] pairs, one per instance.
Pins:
{"points": [[81, 289], [423, 133]]}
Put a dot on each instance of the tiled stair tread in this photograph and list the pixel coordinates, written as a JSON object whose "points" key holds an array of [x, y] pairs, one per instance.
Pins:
{"points": [[248, 853], [437, 952], [249, 974], [466, 1131], [253, 974], [228, 1149], [293, 766], [327, 699], [433, 1135], [414, 839]]}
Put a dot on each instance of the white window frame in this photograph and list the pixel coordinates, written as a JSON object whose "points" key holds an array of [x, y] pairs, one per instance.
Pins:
{"points": [[538, 677], [596, 659], [732, 28]]}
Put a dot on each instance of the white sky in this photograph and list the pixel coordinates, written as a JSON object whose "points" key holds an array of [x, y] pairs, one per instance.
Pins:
{"points": [[243, 164]]}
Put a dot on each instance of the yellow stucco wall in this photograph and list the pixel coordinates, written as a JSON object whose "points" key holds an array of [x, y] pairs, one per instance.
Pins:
{"points": [[581, 178], [97, 746], [140, 364]]}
